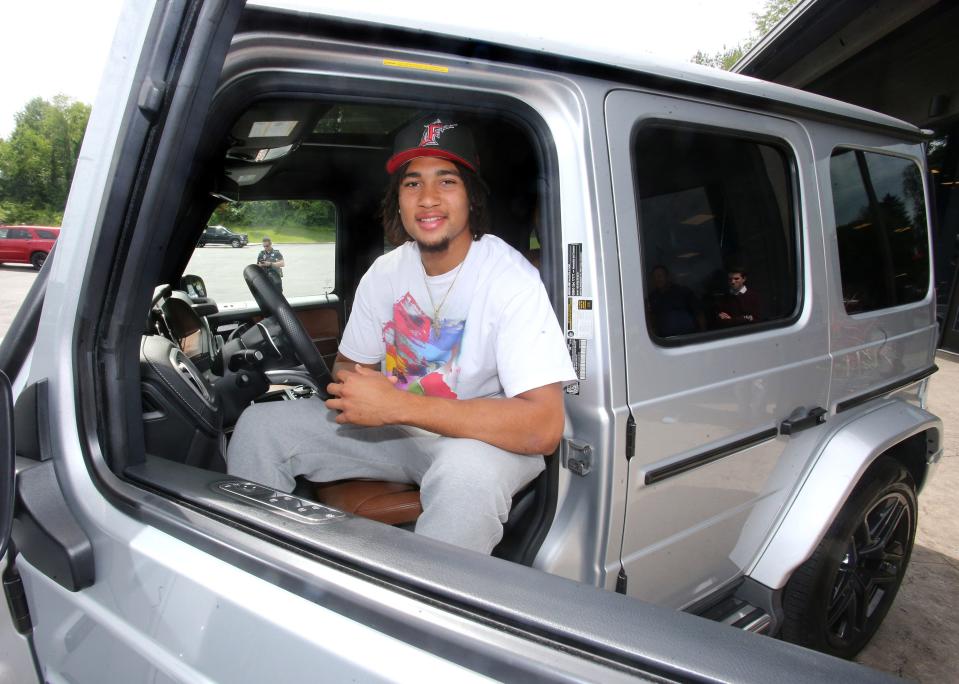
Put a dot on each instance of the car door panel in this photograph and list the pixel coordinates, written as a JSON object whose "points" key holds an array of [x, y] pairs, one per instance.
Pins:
{"points": [[707, 478], [22, 245], [322, 324], [6, 251]]}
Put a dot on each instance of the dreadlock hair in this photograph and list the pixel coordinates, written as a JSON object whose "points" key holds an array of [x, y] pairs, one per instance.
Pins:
{"points": [[476, 192]]}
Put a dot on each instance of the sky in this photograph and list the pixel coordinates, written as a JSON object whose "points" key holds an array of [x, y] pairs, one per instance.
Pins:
{"points": [[61, 46]]}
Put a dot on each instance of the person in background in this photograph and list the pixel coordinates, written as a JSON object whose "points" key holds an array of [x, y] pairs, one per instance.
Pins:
{"points": [[673, 308], [740, 305], [271, 261]]}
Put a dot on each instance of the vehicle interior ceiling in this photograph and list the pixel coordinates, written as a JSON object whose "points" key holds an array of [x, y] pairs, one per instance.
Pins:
{"points": [[337, 151]]}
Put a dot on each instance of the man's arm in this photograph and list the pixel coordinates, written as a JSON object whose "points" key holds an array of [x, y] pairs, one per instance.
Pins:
{"points": [[529, 423], [752, 307]]}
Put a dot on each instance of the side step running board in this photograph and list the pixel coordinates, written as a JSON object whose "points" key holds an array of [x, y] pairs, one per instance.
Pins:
{"points": [[749, 619], [737, 613]]}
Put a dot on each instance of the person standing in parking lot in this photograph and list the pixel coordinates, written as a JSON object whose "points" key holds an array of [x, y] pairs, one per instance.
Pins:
{"points": [[271, 261], [451, 369]]}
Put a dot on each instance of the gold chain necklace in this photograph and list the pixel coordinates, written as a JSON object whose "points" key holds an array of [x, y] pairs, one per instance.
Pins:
{"points": [[436, 309]]}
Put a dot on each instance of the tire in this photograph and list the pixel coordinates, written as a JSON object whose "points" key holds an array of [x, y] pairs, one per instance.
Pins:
{"points": [[235, 242], [37, 259], [836, 600], [201, 244]]}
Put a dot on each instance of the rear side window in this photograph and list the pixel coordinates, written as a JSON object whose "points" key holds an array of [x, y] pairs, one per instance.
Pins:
{"points": [[880, 228], [718, 232], [47, 234]]}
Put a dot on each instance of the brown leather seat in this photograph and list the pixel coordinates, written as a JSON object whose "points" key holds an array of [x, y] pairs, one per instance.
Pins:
{"points": [[393, 503]]}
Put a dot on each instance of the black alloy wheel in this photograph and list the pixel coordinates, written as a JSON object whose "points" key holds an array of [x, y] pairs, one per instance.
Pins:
{"points": [[235, 242], [837, 599]]}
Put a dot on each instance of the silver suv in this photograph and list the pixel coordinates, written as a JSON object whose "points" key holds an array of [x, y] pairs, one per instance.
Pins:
{"points": [[742, 274]]}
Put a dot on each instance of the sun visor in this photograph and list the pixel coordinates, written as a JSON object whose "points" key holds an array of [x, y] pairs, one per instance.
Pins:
{"points": [[247, 174], [271, 125]]}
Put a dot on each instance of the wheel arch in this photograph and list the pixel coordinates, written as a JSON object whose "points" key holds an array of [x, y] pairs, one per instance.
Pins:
{"points": [[897, 429]]}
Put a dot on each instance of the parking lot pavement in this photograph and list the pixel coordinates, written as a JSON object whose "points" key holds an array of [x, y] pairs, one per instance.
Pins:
{"points": [[919, 639], [920, 636], [15, 281]]}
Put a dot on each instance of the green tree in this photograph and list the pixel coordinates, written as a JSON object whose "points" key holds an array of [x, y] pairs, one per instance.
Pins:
{"points": [[773, 11], [724, 59], [763, 22], [39, 158]]}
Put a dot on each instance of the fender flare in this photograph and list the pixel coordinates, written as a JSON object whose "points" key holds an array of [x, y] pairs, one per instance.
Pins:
{"points": [[845, 455]]}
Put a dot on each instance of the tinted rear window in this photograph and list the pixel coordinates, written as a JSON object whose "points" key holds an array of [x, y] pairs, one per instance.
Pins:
{"points": [[716, 209], [881, 232], [47, 234]]}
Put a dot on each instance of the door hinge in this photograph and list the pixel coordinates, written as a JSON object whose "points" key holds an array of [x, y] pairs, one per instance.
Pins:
{"points": [[580, 462], [630, 437], [151, 97], [621, 581], [16, 599]]}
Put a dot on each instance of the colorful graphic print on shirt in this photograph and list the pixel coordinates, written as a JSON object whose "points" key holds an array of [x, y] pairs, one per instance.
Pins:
{"points": [[424, 359]]}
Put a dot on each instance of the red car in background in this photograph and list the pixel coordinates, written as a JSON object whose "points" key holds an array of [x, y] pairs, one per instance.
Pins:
{"points": [[26, 244]]}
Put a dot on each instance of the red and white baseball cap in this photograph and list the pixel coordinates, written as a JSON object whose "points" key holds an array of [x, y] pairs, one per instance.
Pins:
{"points": [[434, 136]]}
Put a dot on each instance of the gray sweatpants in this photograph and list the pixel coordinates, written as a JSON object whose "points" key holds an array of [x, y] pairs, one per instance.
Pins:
{"points": [[466, 486]]}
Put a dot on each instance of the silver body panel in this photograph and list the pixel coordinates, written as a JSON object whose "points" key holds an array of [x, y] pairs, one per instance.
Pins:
{"points": [[688, 535]]}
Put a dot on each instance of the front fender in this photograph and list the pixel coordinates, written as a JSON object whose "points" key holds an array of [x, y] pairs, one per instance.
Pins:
{"points": [[846, 453]]}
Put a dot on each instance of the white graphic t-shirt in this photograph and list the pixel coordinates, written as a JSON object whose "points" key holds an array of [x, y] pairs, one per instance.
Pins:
{"points": [[495, 334]]}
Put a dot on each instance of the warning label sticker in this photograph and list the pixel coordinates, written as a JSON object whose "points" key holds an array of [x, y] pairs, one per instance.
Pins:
{"points": [[577, 352], [574, 284], [579, 317], [579, 314]]}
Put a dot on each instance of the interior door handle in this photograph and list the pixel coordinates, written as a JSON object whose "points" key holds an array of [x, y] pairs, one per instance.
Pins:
{"points": [[791, 426]]}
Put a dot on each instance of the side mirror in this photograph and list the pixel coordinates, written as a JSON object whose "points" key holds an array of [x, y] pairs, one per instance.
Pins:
{"points": [[194, 287], [7, 461]]}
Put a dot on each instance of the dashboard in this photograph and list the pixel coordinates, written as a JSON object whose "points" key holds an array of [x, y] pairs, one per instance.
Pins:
{"points": [[194, 385], [183, 417]]}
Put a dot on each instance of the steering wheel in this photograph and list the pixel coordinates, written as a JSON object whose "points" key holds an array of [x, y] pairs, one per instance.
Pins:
{"points": [[272, 302]]}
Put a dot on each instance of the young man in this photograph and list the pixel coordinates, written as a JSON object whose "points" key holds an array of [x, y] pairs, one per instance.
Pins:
{"points": [[451, 369], [271, 261], [739, 305]]}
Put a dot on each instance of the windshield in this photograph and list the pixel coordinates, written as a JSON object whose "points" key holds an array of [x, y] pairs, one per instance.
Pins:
{"points": [[294, 241]]}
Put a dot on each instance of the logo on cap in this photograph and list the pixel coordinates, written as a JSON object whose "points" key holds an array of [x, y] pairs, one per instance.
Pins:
{"points": [[433, 131]]}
